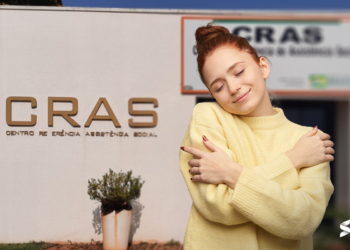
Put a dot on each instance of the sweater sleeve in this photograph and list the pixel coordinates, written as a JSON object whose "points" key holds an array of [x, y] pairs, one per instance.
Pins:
{"points": [[211, 200], [289, 214]]}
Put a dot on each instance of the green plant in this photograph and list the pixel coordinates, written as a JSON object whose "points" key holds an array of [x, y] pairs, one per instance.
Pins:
{"points": [[172, 242], [31, 245], [115, 190]]}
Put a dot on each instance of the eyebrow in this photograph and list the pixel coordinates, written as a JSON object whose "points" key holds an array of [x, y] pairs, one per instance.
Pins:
{"points": [[231, 67]]}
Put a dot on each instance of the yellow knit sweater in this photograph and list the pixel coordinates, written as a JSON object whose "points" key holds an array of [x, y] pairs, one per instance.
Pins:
{"points": [[273, 206]]}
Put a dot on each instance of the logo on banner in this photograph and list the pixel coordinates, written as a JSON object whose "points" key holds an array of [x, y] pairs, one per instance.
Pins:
{"points": [[321, 81], [318, 81], [343, 226]]}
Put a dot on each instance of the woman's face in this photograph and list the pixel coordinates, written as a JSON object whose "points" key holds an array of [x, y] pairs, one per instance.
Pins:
{"points": [[230, 73]]}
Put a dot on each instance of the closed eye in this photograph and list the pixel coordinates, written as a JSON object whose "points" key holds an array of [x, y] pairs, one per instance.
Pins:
{"points": [[240, 73], [223, 85], [219, 89]]}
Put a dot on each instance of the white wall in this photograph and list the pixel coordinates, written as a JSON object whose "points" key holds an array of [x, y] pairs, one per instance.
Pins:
{"points": [[88, 55]]}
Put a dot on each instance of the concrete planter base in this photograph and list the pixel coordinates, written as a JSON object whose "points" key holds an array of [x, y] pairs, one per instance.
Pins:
{"points": [[115, 229]]}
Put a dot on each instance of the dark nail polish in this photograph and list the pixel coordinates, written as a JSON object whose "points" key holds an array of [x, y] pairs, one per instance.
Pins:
{"points": [[205, 138], [183, 148], [191, 178]]}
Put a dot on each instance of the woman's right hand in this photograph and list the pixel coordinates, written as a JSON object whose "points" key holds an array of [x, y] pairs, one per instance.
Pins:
{"points": [[311, 149]]}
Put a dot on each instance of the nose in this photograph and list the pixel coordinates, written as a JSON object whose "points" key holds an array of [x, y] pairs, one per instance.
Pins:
{"points": [[233, 87]]}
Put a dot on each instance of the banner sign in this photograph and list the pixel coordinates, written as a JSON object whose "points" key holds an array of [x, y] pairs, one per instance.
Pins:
{"points": [[308, 55]]}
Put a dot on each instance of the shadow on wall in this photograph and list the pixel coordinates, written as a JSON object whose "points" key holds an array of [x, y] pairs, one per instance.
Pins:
{"points": [[96, 221], [135, 221]]}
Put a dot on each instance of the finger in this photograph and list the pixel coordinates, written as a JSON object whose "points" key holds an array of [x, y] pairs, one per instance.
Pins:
{"points": [[209, 144], [196, 177], [194, 151], [328, 143], [311, 132], [195, 170], [194, 163], [329, 158], [329, 150], [324, 136]]}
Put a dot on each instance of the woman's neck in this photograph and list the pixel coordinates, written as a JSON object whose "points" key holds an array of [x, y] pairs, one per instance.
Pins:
{"points": [[264, 108]]}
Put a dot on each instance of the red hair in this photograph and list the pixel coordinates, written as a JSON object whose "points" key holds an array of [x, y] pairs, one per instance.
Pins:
{"points": [[210, 37]]}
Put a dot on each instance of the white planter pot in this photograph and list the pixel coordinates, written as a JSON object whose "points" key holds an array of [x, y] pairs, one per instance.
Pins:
{"points": [[115, 229]]}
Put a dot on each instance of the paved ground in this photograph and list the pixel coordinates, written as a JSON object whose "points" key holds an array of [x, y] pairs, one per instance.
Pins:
{"points": [[99, 246]]}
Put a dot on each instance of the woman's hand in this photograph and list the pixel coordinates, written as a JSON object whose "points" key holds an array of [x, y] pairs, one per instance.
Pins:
{"points": [[311, 149], [215, 168]]}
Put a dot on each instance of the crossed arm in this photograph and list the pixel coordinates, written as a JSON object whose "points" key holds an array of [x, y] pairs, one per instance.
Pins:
{"points": [[272, 195]]}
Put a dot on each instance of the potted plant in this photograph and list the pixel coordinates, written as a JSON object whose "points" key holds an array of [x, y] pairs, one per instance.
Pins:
{"points": [[115, 192]]}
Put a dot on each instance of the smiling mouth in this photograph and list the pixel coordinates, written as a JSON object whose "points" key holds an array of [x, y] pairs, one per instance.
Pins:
{"points": [[242, 96]]}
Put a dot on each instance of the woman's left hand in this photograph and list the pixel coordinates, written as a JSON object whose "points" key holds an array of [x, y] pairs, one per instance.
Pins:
{"points": [[215, 167]]}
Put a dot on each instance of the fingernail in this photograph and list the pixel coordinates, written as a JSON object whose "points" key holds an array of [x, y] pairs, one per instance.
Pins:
{"points": [[205, 138], [189, 171], [183, 149], [315, 127], [191, 178]]}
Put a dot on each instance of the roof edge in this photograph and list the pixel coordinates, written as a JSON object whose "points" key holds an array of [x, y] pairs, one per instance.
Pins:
{"points": [[176, 11]]}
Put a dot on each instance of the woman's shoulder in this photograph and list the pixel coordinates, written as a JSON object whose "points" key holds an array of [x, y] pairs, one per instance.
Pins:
{"points": [[302, 129], [209, 114], [207, 106]]}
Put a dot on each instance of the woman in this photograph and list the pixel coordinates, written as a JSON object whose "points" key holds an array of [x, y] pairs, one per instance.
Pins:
{"points": [[257, 180]]}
